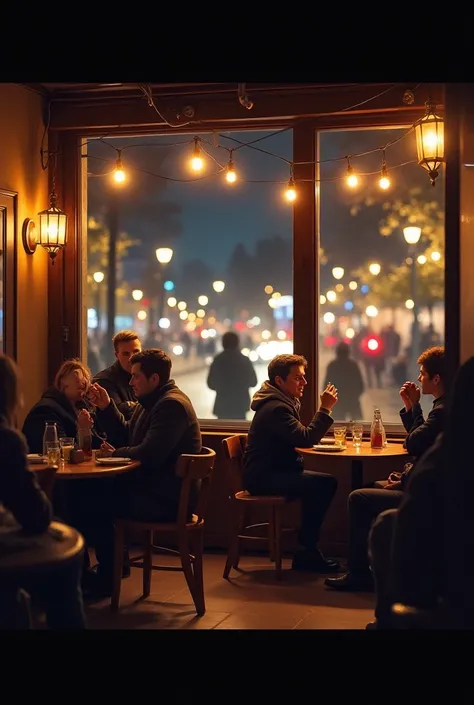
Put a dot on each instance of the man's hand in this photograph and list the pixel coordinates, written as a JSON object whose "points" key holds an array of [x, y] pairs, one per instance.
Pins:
{"points": [[413, 392], [98, 396], [84, 420], [393, 485], [105, 451], [329, 397], [404, 396]]}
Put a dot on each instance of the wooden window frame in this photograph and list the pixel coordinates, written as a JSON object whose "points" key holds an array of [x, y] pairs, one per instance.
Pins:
{"points": [[9, 248]]}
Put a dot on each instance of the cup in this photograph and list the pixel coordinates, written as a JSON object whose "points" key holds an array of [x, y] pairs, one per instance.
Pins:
{"points": [[53, 452], [67, 444], [357, 432], [340, 435]]}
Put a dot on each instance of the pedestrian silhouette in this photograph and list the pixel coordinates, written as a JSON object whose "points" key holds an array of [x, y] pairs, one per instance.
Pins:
{"points": [[231, 374], [345, 374]]}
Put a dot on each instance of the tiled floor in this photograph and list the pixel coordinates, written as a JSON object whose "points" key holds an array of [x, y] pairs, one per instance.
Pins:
{"points": [[251, 599]]}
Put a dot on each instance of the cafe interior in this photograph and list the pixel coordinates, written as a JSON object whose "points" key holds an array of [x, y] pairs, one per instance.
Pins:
{"points": [[269, 204]]}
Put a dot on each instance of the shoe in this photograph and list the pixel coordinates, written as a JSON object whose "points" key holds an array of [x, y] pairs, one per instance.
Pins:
{"points": [[314, 561], [350, 582]]}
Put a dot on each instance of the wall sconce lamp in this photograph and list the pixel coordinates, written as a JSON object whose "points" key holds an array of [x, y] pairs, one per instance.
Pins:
{"points": [[52, 233], [429, 134]]}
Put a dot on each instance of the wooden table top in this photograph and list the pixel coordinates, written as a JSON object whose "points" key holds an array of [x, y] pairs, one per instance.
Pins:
{"points": [[363, 451], [88, 469], [59, 543]]}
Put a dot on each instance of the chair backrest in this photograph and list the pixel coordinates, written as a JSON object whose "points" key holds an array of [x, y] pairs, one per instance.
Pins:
{"points": [[234, 448], [195, 469], [46, 476]]}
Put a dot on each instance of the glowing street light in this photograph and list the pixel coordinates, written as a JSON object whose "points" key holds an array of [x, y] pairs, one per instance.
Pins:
{"points": [[218, 286], [98, 277], [164, 254]]}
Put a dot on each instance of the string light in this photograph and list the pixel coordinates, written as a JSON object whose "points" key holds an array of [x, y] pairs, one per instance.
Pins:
{"points": [[197, 161], [290, 193], [352, 179], [230, 175], [384, 181], [119, 174]]}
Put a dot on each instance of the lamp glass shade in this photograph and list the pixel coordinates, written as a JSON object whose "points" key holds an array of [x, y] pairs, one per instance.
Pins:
{"points": [[429, 134], [52, 233]]}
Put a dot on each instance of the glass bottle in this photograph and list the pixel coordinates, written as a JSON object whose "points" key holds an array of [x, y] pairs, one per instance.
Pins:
{"points": [[377, 431], [50, 435]]}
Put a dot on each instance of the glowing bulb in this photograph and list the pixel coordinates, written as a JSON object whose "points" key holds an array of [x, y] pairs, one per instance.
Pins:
{"points": [[421, 259], [230, 174], [322, 299], [338, 272], [290, 193], [371, 311], [141, 315], [352, 179], [196, 165], [329, 317], [353, 285], [119, 174], [436, 256], [409, 303], [384, 181], [203, 300], [137, 294], [268, 289], [98, 277], [171, 302], [331, 296], [218, 286], [374, 268]]}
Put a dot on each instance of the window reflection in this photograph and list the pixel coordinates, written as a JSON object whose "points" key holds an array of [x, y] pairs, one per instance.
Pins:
{"points": [[381, 287], [228, 265]]}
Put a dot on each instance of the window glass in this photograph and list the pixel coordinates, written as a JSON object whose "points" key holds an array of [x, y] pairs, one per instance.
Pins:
{"points": [[193, 257], [381, 298]]}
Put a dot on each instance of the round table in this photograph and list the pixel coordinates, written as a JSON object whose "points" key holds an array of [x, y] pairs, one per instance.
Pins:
{"points": [[88, 469], [357, 457], [58, 544]]}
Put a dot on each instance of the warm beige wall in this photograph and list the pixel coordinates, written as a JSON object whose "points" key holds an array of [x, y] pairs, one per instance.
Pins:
{"points": [[21, 129]]}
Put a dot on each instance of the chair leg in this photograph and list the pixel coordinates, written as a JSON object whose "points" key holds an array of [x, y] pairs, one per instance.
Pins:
{"points": [[147, 562], [234, 543], [277, 539], [198, 546], [186, 564], [119, 541], [271, 534]]}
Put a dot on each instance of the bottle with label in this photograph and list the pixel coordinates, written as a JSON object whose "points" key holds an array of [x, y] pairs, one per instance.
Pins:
{"points": [[50, 435], [377, 431]]}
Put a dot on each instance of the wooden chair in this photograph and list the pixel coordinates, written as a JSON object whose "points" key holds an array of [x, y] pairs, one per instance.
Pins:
{"points": [[241, 501], [189, 534]]}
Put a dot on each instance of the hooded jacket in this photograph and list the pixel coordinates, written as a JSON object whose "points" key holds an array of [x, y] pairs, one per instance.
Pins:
{"points": [[54, 406], [275, 432]]}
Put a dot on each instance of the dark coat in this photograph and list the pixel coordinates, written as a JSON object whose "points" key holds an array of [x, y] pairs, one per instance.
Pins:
{"points": [[163, 425], [230, 376], [55, 406], [345, 374], [116, 381], [276, 431], [19, 490], [422, 434]]}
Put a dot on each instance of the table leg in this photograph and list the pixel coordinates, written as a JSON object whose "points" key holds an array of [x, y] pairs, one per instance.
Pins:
{"points": [[357, 473]]}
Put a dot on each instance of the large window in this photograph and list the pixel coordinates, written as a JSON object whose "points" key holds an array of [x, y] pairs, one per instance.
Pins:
{"points": [[381, 284], [183, 256]]}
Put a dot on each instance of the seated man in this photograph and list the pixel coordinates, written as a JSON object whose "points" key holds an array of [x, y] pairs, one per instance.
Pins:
{"points": [[163, 426], [365, 504], [116, 378], [273, 466]]}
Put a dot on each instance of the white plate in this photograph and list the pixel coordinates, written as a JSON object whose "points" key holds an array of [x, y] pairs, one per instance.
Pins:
{"points": [[329, 448], [36, 458], [113, 461]]}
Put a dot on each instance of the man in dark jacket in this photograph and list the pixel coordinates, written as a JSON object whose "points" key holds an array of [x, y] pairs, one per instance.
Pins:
{"points": [[116, 378], [365, 504], [273, 466], [231, 374], [163, 426]]}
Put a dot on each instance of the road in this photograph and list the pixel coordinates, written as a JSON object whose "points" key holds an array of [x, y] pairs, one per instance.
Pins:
{"points": [[193, 383]]}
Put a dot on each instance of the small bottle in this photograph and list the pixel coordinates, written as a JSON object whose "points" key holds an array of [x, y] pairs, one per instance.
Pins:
{"points": [[50, 435], [84, 442], [377, 431]]}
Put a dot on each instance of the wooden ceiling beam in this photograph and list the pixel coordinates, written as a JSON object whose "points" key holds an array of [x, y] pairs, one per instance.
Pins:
{"points": [[270, 108]]}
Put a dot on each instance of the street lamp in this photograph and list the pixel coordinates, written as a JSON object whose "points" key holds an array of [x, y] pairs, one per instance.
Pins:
{"points": [[374, 268], [412, 236], [163, 255], [338, 272], [98, 277], [218, 286]]}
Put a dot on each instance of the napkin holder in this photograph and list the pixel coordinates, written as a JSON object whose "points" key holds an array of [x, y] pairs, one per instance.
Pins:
{"points": [[77, 456]]}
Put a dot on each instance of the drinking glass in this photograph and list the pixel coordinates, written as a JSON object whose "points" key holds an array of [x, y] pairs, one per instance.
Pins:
{"points": [[340, 435], [67, 444], [53, 452], [357, 432]]}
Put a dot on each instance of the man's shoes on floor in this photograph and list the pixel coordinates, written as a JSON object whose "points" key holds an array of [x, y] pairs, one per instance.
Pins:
{"points": [[314, 562], [351, 582]]}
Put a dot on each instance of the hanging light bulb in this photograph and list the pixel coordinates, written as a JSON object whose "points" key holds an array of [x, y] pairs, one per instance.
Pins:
{"points": [[197, 161], [352, 179], [119, 174], [384, 181], [290, 193], [230, 175], [429, 134]]}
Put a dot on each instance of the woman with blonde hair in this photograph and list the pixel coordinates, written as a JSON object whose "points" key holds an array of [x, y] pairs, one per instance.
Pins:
{"points": [[64, 403], [24, 505]]}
